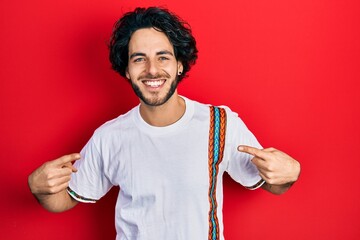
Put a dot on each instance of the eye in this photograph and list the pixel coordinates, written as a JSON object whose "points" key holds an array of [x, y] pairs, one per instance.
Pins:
{"points": [[162, 58], [139, 59]]}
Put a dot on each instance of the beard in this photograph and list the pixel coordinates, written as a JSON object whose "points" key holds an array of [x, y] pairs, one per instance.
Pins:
{"points": [[154, 100]]}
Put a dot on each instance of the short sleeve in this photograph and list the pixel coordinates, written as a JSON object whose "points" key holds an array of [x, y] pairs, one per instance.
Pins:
{"points": [[240, 167], [89, 183]]}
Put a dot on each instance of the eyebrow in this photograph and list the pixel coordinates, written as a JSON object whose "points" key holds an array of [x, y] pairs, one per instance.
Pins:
{"points": [[163, 52]]}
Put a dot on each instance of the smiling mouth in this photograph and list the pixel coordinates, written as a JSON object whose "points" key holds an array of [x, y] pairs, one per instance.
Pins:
{"points": [[154, 83]]}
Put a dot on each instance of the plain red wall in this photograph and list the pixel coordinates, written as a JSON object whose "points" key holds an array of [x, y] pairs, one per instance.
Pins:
{"points": [[289, 68]]}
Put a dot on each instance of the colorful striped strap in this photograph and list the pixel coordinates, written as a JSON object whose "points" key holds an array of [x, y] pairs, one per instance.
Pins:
{"points": [[217, 133], [79, 198]]}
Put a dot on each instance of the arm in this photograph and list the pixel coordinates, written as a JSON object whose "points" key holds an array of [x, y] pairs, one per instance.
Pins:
{"points": [[276, 189], [279, 170], [49, 182]]}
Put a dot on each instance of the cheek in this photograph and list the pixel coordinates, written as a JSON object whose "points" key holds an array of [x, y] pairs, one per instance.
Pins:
{"points": [[133, 72], [171, 69]]}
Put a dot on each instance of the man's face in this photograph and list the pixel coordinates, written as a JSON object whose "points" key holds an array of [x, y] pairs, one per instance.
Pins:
{"points": [[152, 68]]}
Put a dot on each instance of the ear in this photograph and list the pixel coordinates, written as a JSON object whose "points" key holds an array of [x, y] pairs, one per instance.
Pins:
{"points": [[127, 74], [180, 67]]}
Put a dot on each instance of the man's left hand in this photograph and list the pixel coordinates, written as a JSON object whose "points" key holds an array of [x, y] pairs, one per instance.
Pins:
{"points": [[275, 167]]}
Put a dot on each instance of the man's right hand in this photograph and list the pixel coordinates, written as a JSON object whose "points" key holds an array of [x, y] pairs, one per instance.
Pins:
{"points": [[51, 180], [53, 176]]}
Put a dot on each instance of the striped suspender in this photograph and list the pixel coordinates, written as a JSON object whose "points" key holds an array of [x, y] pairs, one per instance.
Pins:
{"points": [[216, 150]]}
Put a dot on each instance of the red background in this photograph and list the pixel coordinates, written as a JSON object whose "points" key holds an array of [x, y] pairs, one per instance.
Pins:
{"points": [[289, 68]]}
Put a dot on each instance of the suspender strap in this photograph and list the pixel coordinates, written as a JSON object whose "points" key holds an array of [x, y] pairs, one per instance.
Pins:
{"points": [[216, 151]]}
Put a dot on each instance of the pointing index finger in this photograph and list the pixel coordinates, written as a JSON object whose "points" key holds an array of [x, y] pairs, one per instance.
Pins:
{"points": [[253, 151], [67, 159]]}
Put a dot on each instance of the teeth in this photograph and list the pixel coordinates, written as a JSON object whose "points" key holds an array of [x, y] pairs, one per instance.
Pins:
{"points": [[156, 83]]}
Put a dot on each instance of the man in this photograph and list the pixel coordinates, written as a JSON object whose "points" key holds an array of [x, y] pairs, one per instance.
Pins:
{"points": [[167, 154]]}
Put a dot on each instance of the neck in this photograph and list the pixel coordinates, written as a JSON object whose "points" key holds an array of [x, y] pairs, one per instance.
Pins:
{"points": [[165, 114]]}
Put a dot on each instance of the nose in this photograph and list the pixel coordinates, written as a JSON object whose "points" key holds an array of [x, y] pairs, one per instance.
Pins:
{"points": [[152, 67]]}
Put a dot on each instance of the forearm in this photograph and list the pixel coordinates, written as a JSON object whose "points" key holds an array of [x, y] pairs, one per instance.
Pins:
{"points": [[276, 189], [57, 202]]}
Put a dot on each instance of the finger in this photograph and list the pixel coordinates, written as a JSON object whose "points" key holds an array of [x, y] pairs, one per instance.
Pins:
{"points": [[263, 176], [67, 159], [253, 151], [270, 149], [59, 185], [70, 166], [259, 163], [58, 181], [59, 173]]}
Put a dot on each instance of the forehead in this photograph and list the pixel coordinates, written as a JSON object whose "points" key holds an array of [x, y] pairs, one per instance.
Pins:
{"points": [[149, 40]]}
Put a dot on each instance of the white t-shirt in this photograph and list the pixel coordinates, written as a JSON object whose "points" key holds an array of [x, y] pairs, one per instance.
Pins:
{"points": [[163, 172]]}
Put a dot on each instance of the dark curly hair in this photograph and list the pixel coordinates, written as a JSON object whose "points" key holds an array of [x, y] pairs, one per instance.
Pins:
{"points": [[177, 31]]}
